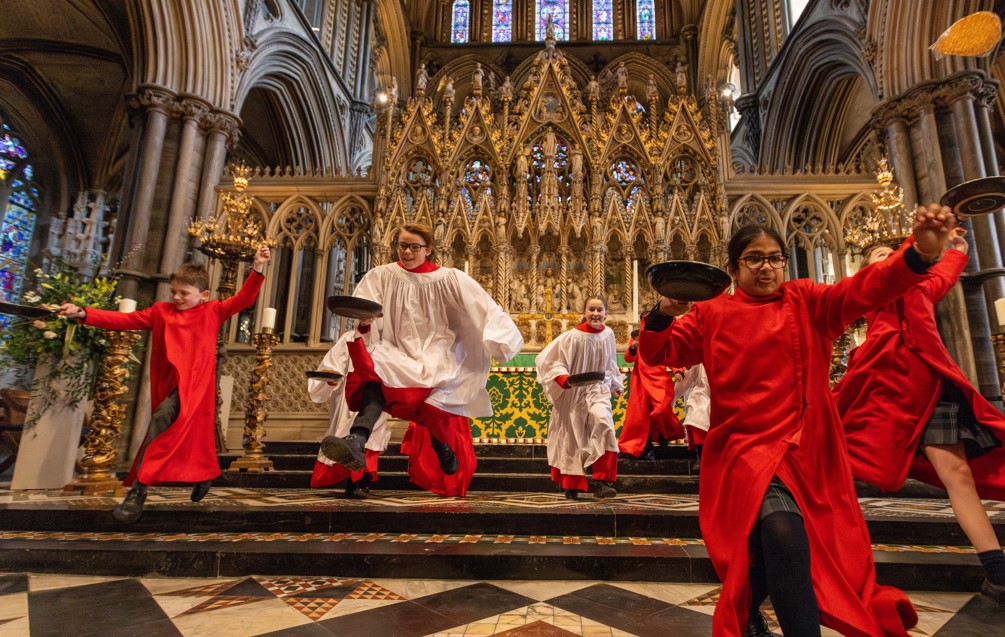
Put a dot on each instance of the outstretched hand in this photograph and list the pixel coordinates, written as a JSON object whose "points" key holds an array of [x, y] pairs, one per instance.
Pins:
{"points": [[933, 226], [957, 242], [262, 256], [70, 310]]}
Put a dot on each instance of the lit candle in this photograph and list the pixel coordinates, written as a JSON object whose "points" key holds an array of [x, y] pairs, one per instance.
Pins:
{"points": [[1000, 311], [127, 305], [269, 319], [635, 290]]}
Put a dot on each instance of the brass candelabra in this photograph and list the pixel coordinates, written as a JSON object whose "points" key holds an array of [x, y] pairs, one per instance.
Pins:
{"points": [[999, 341], [106, 418], [254, 459]]}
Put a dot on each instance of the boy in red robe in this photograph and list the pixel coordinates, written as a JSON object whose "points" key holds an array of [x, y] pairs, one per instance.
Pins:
{"points": [[649, 416], [777, 503], [940, 430], [180, 445]]}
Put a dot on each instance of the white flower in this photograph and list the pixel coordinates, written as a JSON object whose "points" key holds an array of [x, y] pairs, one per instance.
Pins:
{"points": [[32, 297], [40, 324], [49, 334]]}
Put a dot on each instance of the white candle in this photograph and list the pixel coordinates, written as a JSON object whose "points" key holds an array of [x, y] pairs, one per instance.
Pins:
{"points": [[1000, 311], [467, 267], [269, 318], [635, 291], [127, 305]]}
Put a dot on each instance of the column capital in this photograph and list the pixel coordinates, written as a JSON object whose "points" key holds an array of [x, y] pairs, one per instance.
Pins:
{"points": [[152, 98], [224, 123], [191, 107]]}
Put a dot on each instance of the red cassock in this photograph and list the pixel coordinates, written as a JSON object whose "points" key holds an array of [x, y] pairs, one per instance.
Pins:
{"points": [[893, 384], [649, 414], [182, 356], [768, 360]]}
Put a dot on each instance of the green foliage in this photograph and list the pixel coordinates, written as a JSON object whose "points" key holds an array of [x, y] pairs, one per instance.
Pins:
{"points": [[72, 351]]}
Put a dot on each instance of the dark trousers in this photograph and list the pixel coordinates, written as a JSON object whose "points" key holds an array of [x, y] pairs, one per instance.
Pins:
{"points": [[163, 417]]}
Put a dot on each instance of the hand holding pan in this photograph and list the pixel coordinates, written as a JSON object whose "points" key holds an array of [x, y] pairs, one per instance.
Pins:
{"points": [[324, 375], [354, 307], [29, 311], [586, 378], [976, 197], [687, 280]]}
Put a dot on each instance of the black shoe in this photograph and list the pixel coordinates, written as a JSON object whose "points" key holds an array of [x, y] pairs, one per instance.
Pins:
{"points": [[648, 454], [132, 507], [359, 488], [446, 456], [200, 489], [350, 452], [757, 625], [571, 494], [993, 591], [603, 489]]}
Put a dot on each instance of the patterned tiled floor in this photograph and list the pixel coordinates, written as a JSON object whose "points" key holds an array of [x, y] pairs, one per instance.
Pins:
{"points": [[933, 508], [79, 606]]}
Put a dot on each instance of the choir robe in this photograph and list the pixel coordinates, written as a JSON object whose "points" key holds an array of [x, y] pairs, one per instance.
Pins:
{"points": [[340, 419], [772, 414], [693, 388], [649, 414], [431, 351], [893, 384], [581, 428], [182, 357]]}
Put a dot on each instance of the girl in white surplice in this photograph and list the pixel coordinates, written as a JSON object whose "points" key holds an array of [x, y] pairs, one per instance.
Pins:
{"points": [[581, 430]]}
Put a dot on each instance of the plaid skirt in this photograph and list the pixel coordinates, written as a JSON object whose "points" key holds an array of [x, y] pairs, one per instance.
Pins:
{"points": [[778, 499], [953, 422]]}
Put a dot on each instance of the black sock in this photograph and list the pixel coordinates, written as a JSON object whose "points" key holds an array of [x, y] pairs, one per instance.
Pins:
{"points": [[786, 551], [994, 565]]}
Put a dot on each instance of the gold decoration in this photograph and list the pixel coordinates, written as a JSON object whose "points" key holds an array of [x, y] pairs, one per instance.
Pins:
{"points": [[889, 223], [106, 418], [254, 459], [233, 237], [999, 340], [972, 36]]}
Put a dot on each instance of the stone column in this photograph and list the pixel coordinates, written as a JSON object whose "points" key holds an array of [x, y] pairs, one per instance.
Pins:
{"points": [[898, 142], [157, 103], [183, 192], [986, 98], [221, 130]]}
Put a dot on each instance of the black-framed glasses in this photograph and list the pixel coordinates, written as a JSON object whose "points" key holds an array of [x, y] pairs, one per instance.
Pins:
{"points": [[413, 247], [755, 261]]}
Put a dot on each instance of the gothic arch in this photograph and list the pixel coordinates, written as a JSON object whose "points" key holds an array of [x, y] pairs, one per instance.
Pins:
{"points": [[823, 74], [825, 228], [298, 97], [754, 208], [395, 28]]}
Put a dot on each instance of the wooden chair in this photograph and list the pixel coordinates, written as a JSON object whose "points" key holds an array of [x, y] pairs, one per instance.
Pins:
{"points": [[15, 406]]}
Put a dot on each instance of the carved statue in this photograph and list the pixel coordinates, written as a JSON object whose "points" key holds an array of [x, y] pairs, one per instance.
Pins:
{"points": [[439, 230], [421, 78], [680, 72], [622, 75], [521, 164], [392, 92], [576, 158], [593, 89], [652, 93], [550, 144], [448, 90], [476, 78], [576, 298], [506, 90]]}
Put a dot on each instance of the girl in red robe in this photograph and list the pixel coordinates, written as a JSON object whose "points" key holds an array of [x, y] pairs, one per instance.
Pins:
{"points": [[777, 504], [941, 430]]}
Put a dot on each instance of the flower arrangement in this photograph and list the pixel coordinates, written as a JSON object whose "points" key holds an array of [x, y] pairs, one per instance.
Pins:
{"points": [[71, 349]]}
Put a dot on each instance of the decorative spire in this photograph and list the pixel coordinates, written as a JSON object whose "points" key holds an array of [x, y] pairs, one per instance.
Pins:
{"points": [[889, 223]]}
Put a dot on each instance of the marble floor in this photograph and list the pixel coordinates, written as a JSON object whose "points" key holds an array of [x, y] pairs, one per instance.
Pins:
{"points": [[78, 606]]}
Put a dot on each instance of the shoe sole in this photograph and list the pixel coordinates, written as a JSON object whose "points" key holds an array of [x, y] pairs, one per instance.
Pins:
{"points": [[336, 450], [124, 518]]}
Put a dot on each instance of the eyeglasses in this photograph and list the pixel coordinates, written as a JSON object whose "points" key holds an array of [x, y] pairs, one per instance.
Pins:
{"points": [[755, 261], [414, 247]]}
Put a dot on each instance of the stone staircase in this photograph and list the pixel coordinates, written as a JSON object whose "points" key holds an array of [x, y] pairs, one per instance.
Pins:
{"points": [[514, 524]]}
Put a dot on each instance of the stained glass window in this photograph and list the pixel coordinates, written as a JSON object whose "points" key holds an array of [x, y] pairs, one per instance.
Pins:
{"points": [[18, 223], [603, 25], [623, 172], [559, 12], [459, 22], [647, 20], [502, 20]]}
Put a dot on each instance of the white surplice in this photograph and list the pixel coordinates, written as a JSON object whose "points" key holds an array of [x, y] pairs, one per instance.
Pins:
{"points": [[581, 428], [439, 330], [694, 388], [339, 415]]}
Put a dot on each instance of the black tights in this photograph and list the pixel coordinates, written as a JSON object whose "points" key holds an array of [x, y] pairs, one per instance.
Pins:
{"points": [[781, 570], [371, 405]]}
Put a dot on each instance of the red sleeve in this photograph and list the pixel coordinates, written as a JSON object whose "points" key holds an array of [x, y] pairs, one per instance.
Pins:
{"points": [[632, 352], [944, 274], [115, 320], [563, 381], [244, 298]]}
